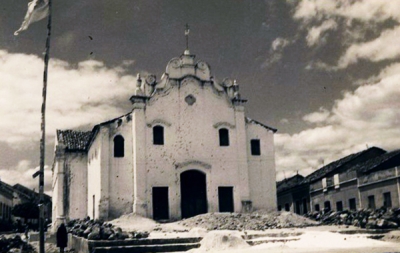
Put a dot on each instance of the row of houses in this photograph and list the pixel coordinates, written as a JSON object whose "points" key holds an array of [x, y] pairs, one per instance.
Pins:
{"points": [[367, 179], [12, 195]]}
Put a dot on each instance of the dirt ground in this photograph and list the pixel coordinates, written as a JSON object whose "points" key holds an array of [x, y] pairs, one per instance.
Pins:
{"points": [[311, 238], [307, 237]]}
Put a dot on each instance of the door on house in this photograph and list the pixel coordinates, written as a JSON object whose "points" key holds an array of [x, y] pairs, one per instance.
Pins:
{"points": [[160, 203], [225, 199], [298, 207], [193, 193]]}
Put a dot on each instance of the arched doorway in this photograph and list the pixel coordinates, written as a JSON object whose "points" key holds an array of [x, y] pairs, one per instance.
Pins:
{"points": [[193, 193]]}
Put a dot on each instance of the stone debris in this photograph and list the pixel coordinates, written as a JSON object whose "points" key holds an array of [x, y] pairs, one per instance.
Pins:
{"points": [[14, 244], [381, 218], [99, 230], [258, 220]]}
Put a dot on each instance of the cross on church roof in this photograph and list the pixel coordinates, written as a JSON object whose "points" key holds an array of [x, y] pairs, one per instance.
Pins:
{"points": [[187, 30]]}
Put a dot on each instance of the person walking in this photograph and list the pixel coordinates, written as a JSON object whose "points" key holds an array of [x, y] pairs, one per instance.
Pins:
{"points": [[62, 237]]}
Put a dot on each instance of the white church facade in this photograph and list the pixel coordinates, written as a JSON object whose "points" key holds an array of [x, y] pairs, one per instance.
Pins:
{"points": [[186, 148]]}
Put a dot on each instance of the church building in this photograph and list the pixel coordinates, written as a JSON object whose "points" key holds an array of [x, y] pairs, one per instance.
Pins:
{"points": [[186, 148]]}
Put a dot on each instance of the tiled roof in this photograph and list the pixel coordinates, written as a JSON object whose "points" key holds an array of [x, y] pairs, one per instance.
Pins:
{"points": [[6, 189], [384, 161], [320, 173], [288, 183], [248, 120], [30, 194], [74, 140]]}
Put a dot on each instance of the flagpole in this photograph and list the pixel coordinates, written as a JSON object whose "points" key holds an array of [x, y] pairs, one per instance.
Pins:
{"points": [[43, 130]]}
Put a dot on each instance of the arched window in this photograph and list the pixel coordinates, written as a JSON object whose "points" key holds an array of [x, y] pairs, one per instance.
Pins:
{"points": [[118, 146], [223, 137], [158, 135]]}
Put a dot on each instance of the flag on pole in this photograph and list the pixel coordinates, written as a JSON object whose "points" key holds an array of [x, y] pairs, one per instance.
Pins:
{"points": [[37, 10]]}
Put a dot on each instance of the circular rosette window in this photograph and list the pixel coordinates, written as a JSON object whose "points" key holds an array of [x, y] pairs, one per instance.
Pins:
{"points": [[190, 99]]}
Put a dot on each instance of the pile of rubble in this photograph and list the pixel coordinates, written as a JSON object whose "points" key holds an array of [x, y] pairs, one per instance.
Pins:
{"points": [[14, 244], [99, 230], [259, 220], [381, 218]]}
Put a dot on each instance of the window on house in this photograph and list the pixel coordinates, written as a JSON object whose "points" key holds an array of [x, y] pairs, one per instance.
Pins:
{"points": [[223, 137], [255, 147], [339, 206], [336, 181], [118, 146], [324, 184], [352, 204], [158, 135], [327, 206], [287, 207], [298, 204], [279, 208], [387, 199], [316, 207], [371, 202]]}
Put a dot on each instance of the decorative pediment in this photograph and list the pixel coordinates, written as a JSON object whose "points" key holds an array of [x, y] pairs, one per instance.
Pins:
{"points": [[158, 122], [193, 163], [224, 124]]}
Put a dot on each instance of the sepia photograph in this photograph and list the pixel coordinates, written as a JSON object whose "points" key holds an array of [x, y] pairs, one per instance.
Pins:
{"points": [[198, 126]]}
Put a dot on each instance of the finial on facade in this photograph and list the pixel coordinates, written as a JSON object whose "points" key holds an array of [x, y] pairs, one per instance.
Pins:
{"points": [[138, 81], [236, 89], [187, 30], [138, 90]]}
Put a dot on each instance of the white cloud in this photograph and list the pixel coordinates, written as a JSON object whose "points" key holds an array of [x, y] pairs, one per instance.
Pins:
{"points": [[87, 94], [276, 50], [317, 18], [363, 10], [368, 116], [385, 47], [279, 44], [284, 121], [315, 33], [316, 117], [22, 174]]}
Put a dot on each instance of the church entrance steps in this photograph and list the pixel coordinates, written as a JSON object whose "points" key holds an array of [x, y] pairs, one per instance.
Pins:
{"points": [[174, 247], [82, 245]]}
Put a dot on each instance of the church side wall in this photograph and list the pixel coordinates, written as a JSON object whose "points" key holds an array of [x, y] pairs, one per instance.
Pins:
{"points": [[56, 195], [262, 168], [120, 179], [94, 178], [104, 201], [77, 185], [192, 142]]}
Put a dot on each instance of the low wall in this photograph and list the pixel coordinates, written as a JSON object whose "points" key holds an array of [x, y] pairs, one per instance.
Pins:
{"points": [[80, 245]]}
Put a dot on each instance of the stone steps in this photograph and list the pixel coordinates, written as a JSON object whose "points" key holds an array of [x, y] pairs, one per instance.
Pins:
{"points": [[145, 245], [172, 244], [145, 241], [173, 247]]}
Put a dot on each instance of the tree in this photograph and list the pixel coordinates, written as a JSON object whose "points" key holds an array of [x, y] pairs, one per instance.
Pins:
{"points": [[27, 210]]}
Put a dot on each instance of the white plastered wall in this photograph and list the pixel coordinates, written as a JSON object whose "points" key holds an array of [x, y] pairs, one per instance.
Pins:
{"points": [[192, 142], [262, 168]]}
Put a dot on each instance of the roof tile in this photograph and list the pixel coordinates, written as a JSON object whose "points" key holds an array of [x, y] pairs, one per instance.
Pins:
{"points": [[74, 140]]}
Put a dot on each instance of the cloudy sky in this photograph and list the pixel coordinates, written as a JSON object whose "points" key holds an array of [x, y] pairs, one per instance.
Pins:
{"points": [[326, 73]]}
